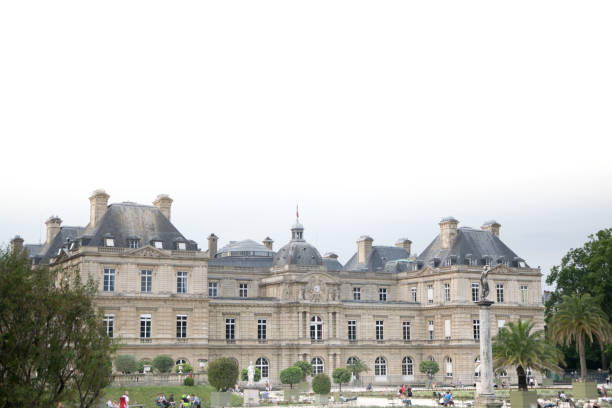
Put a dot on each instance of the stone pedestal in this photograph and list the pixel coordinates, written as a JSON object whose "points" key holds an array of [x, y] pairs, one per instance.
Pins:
{"points": [[485, 397], [251, 397]]}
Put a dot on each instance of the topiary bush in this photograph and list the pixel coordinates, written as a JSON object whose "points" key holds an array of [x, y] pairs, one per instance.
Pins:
{"points": [[341, 375], [126, 364], [163, 363], [188, 381], [223, 373], [306, 368], [321, 384], [244, 375], [291, 375]]}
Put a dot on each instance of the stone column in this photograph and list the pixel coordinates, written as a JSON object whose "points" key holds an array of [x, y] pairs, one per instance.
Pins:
{"points": [[486, 394]]}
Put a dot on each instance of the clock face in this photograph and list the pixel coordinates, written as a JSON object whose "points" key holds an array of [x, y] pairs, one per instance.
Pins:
{"points": [[317, 288]]}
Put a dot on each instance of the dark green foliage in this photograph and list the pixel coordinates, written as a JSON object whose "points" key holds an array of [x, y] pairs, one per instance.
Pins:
{"points": [[223, 373], [53, 346], [126, 364], [341, 375], [357, 368], [141, 365], [188, 381], [187, 368], [291, 375], [244, 374], [163, 363], [321, 384], [429, 367], [306, 368]]}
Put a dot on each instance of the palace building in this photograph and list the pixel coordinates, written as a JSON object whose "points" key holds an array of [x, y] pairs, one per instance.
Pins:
{"points": [[162, 294]]}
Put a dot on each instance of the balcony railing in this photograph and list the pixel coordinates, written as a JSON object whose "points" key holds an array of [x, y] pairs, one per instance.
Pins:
{"points": [[146, 340]]}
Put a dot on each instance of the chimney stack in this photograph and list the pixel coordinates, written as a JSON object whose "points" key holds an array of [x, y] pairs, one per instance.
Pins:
{"points": [[98, 203], [268, 243], [448, 232], [53, 227], [404, 243], [364, 248], [212, 245], [17, 244], [164, 203], [492, 226]]}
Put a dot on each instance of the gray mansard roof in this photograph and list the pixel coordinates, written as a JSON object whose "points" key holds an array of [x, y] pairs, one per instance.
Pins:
{"points": [[42, 253], [247, 247], [472, 244], [377, 260]]}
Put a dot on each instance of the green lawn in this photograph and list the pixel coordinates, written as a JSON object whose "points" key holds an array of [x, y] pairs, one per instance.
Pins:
{"points": [[146, 394]]}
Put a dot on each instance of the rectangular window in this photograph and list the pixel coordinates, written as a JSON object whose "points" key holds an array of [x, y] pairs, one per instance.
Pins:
{"points": [[158, 244], [475, 292], [109, 280], [500, 292], [476, 326], [501, 324], [382, 294], [356, 293], [181, 326], [447, 329], [146, 279], [212, 289], [406, 331], [523, 293], [380, 335], [145, 326], [181, 246], [430, 329], [430, 294], [181, 282], [413, 294], [352, 330], [447, 292], [109, 324], [261, 329], [230, 329], [109, 242], [244, 290], [132, 243]]}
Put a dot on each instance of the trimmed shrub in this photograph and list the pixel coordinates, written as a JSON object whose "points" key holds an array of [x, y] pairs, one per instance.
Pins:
{"points": [[341, 375], [291, 375], [126, 364], [306, 368], [187, 368], [222, 373], [321, 384], [188, 381], [244, 375], [163, 363]]}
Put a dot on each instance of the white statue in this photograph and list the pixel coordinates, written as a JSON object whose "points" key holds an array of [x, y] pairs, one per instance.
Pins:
{"points": [[251, 373]]}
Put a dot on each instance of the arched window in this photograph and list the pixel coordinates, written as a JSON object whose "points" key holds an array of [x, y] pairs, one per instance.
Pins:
{"points": [[317, 365], [351, 360], [477, 367], [180, 362], [430, 358], [263, 366], [407, 366], [380, 366], [448, 363], [316, 328]]}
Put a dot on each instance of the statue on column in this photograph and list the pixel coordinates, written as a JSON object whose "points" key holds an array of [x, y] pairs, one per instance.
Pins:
{"points": [[484, 282], [251, 373]]}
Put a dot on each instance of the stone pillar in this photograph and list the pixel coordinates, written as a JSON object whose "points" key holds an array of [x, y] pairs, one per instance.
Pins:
{"points": [[486, 394], [299, 325]]}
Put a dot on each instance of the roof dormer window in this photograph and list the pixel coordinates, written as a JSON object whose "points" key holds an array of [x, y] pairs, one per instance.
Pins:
{"points": [[133, 243], [109, 242], [158, 244], [181, 246]]}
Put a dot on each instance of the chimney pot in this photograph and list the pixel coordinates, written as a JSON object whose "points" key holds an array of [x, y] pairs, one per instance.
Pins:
{"points": [[448, 232], [53, 227], [17, 244], [491, 226], [364, 248], [98, 203], [164, 203], [268, 243]]}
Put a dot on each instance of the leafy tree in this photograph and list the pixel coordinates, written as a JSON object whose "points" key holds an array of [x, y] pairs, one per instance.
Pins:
{"points": [[244, 374], [341, 375], [357, 367], [223, 373], [306, 368], [126, 363], [291, 375], [321, 384], [429, 367], [53, 345], [141, 365], [577, 319], [184, 368], [163, 363], [585, 270], [517, 346]]}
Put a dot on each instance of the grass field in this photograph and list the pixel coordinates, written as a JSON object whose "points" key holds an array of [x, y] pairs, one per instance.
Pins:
{"points": [[147, 395]]}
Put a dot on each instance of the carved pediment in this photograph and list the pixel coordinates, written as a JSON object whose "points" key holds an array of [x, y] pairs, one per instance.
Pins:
{"points": [[146, 251]]}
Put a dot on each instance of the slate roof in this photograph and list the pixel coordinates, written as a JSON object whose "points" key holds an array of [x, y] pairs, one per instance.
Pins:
{"points": [[297, 252], [470, 243], [332, 264], [377, 260], [42, 253], [245, 246]]}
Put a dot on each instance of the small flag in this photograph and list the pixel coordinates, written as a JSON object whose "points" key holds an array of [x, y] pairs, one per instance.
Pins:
{"points": [[297, 213]]}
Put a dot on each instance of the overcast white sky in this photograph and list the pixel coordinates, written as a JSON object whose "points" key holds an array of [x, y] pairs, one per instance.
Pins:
{"points": [[377, 117]]}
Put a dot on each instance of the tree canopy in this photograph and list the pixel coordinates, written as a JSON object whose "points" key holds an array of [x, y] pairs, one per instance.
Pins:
{"points": [[341, 375], [321, 384], [429, 367], [163, 363], [291, 375], [126, 363], [223, 373], [306, 368], [357, 367]]}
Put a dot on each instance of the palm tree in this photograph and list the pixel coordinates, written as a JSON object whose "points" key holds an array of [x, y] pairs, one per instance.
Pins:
{"points": [[517, 346], [577, 317]]}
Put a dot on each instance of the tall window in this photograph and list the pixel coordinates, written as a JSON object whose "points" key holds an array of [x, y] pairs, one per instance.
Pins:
{"points": [[261, 329], [430, 329], [380, 366], [352, 330], [380, 335], [316, 328], [145, 326], [317, 365], [146, 279], [351, 360], [413, 294], [407, 366], [475, 292], [109, 280], [447, 329], [523, 293], [382, 294], [181, 326], [243, 290], [500, 292], [447, 292], [109, 324], [181, 282], [356, 293], [132, 243], [430, 294], [212, 289], [406, 331], [448, 363], [264, 367], [476, 327], [501, 324], [230, 329]]}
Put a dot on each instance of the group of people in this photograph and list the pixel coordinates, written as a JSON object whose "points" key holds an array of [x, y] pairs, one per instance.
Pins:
{"points": [[186, 401], [124, 401], [405, 394]]}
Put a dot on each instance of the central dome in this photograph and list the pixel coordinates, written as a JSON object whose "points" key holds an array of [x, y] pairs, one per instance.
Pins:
{"points": [[297, 251]]}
